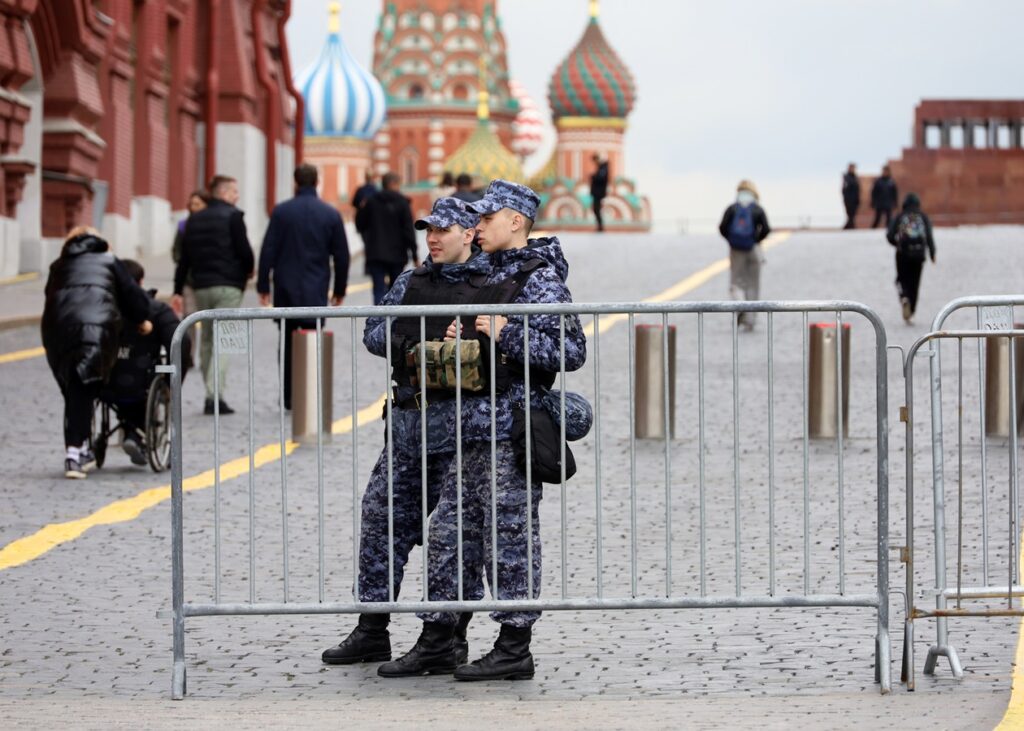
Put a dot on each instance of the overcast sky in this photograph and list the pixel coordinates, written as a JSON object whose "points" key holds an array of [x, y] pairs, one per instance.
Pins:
{"points": [[785, 92]]}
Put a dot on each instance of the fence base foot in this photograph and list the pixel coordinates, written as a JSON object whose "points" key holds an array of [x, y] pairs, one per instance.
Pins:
{"points": [[947, 651], [883, 672], [178, 681], [908, 672]]}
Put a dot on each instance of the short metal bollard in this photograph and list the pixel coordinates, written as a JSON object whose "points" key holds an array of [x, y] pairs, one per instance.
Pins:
{"points": [[304, 385], [998, 394], [651, 374], [823, 405]]}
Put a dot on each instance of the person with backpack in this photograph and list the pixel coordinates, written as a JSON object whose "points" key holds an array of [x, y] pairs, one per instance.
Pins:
{"points": [[745, 225], [911, 234]]}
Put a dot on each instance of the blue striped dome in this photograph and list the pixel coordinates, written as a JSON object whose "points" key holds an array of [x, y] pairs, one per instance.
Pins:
{"points": [[342, 98]]}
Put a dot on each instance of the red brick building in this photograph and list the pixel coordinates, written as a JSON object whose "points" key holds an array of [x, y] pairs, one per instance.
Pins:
{"points": [[966, 162], [114, 110]]}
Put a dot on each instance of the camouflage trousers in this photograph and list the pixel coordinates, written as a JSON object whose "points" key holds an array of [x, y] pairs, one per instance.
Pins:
{"points": [[478, 549], [407, 508]]}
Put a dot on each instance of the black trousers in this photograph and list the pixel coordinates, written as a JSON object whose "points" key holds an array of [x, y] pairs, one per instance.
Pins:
{"points": [[597, 213], [908, 278], [79, 402], [383, 274], [879, 212], [851, 215]]}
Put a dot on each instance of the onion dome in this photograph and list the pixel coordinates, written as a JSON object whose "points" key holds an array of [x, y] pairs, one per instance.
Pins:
{"points": [[343, 99], [528, 128], [483, 155], [592, 81]]}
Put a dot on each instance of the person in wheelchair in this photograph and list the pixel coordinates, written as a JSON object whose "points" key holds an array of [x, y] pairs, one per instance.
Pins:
{"points": [[137, 358]]}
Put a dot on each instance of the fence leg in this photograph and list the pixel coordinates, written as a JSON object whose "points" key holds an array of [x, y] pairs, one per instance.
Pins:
{"points": [[883, 660], [909, 672], [947, 651]]}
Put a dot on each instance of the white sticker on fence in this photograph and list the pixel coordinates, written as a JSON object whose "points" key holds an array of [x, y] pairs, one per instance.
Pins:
{"points": [[997, 318], [233, 338]]}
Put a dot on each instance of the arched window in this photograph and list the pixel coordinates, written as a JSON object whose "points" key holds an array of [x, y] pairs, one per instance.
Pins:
{"points": [[408, 166]]}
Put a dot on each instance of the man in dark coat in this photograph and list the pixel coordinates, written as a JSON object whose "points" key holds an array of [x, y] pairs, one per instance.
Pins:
{"points": [[215, 251], [885, 197], [89, 295], [137, 357], [303, 236], [599, 188], [385, 221], [851, 196]]}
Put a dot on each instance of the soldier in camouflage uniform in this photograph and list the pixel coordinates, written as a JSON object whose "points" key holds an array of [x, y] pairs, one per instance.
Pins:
{"points": [[507, 214], [453, 261]]}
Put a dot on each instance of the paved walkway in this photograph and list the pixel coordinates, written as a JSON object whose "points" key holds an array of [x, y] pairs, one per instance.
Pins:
{"points": [[88, 639]]}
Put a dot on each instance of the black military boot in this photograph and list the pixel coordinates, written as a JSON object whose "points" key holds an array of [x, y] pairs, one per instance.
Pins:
{"points": [[509, 660], [461, 643], [368, 642], [433, 654]]}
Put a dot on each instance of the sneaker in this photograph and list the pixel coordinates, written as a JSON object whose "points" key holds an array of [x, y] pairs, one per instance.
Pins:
{"points": [[73, 469], [132, 446], [208, 409], [87, 460], [907, 314]]}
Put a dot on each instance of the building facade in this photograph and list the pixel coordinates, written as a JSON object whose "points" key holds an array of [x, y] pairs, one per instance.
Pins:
{"points": [[115, 110], [966, 162]]}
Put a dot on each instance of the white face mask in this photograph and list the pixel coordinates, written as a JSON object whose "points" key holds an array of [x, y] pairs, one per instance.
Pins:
{"points": [[745, 198]]}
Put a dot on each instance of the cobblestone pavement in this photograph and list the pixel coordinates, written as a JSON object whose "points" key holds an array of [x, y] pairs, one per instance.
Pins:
{"points": [[82, 637]]}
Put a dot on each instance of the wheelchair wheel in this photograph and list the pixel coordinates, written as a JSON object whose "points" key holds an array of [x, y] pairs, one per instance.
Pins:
{"points": [[102, 436], [158, 424]]}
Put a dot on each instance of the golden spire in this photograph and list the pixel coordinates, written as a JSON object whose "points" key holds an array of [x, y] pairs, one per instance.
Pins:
{"points": [[483, 107], [595, 9], [333, 21]]}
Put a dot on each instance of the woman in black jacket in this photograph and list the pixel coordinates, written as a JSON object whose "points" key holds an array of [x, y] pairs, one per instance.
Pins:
{"points": [[88, 295]]}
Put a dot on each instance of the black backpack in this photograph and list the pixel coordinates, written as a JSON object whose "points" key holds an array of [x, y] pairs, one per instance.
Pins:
{"points": [[912, 236]]}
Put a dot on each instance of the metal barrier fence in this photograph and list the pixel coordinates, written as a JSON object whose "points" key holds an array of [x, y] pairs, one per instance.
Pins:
{"points": [[994, 319], [617, 552]]}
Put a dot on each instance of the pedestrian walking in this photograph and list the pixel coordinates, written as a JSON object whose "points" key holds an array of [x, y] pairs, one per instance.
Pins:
{"points": [[216, 254], [599, 188], [385, 221], [464, 189], [522, 271], [89, 298], [885, 197], [453, 274], [303, 237], [196, 202], [851, 195], [745, 225], [137, 358], [365, 191], [911, 234]]}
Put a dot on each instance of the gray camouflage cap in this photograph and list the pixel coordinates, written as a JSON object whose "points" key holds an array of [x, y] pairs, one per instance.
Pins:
{"points": [[449, 212], [506, 194]]}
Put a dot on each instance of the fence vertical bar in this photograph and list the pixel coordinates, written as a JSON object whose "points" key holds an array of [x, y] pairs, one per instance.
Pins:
{"points": [[839, 451], [984, 450], [736, 449], [252, 465], [216, 462], [355, 462], [806, 455], [960, 472], [494, 464], [700, 456], [458, 450], [320, 456], [282, 332], [424, 512], [529, 458], [632, 454], [666, 404], [389, 427], [561, 442], [1014, 466], [177, 527], [771, 455], [597, 455]]}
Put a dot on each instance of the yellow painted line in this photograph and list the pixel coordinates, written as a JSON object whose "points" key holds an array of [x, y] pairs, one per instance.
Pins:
{"points": [[21, 355], [49, 537], [358, 288], [27, 277], [1014, 717], [684, 286]]}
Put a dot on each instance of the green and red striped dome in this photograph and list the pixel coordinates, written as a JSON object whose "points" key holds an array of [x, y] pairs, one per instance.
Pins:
{"points": [[592, 81]]}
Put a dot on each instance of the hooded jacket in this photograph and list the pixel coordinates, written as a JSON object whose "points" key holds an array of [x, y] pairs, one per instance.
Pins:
{"points": [[88, 294], [912, 204]]}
